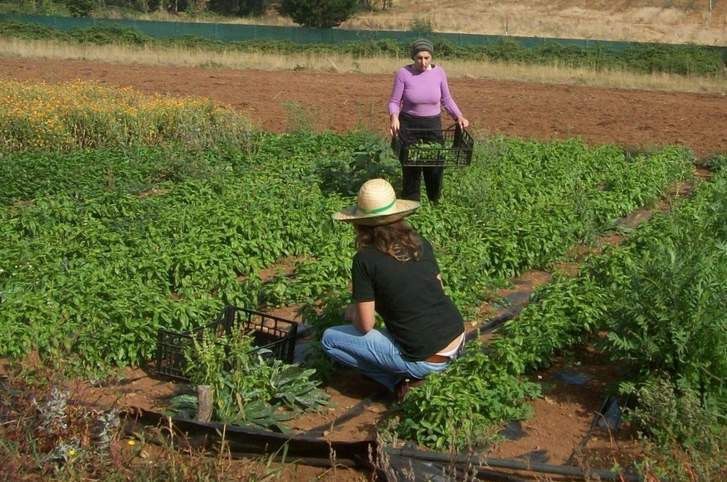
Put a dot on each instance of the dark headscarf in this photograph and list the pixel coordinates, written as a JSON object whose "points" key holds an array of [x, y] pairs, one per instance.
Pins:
{"points": [[421, 44]]}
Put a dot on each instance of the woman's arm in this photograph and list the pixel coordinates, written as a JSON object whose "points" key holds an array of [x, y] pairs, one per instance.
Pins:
{"points": [[397, 93], [362, 315], [450, 105]]}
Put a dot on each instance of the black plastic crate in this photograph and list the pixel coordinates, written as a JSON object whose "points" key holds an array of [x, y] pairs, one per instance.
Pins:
{"points": [[273, 334], [423, 148]]}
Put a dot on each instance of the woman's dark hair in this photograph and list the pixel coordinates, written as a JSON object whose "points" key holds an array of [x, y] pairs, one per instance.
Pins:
{"points": [[397, 239]]}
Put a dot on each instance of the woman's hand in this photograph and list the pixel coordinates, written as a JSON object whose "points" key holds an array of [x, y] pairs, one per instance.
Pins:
{"points": [[394, 129], [463, 123]]}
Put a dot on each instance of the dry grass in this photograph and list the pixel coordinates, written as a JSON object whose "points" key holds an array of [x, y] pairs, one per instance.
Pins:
{"points": [[341, 63], [668, 21], [63, 441], [270, 18]]}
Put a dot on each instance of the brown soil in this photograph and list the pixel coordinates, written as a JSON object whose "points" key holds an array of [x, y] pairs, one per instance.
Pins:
{"points": [[348, 390], [283, 267], [562, 419], [277, 101]]}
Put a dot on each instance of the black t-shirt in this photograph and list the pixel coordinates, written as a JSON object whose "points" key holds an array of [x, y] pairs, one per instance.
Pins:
{"points": [[409, 297]]}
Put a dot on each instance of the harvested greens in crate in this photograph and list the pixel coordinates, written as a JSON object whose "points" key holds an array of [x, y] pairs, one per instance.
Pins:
{"points": [[452, 146]]}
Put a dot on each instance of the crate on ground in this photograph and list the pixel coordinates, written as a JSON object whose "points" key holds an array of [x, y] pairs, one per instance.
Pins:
{"points": [[425, 148], [272, 335]]}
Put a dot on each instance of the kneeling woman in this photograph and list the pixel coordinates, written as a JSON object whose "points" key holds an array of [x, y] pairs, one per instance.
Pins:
{"points": [[396, 275]]}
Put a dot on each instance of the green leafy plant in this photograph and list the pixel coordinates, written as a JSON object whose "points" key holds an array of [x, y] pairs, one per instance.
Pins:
{"points": [[370, 159], [249, 387], [462, 407]]}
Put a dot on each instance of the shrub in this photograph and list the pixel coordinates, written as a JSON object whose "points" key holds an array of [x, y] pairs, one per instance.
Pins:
{"points": [[318, 13], [668, 315], [80, 8], [686, 433]]}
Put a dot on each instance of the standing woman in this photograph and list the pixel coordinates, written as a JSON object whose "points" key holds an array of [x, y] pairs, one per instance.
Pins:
{"points": [[395, 274], [420, 90]]}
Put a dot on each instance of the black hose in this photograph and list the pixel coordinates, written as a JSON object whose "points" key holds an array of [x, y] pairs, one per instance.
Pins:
{"points": [[469, 459], [315, 451], [518, 301]]}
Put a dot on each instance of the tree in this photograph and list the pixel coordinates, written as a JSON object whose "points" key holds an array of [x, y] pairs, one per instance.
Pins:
{"points": [[239, 7], [252, 7], [318, 13], [80, 8]]}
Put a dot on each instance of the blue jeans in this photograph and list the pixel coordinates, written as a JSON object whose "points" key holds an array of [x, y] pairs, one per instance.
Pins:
{"points": [[375, 354]]}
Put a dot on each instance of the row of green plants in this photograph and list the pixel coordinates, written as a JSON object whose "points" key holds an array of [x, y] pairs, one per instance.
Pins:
{"points": [[87, 173], [90, 273], [656, 306], [642, 58]]}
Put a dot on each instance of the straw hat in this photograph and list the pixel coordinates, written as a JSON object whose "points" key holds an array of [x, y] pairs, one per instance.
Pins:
{"points": [[376, 204]]}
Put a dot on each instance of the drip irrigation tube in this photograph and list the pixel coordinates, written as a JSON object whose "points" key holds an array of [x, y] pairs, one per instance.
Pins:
{"points": [[598, 416], [518, 301], [246, 440], [511, 464], [405, 468], [364, 454]]}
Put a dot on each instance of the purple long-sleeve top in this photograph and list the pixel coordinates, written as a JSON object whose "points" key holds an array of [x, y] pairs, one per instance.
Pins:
{"points": [[422, 94]]}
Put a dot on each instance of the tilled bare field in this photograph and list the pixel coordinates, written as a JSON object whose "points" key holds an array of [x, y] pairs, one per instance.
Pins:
{"points": [[280, 100]]}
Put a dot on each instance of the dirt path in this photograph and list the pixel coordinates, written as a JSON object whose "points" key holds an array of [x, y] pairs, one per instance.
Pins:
{"points": [[287, 99]]}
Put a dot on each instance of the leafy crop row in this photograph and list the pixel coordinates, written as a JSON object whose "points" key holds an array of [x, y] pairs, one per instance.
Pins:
{"points": [[661, 300], [527, 202], [90, 273], [88, 173]]}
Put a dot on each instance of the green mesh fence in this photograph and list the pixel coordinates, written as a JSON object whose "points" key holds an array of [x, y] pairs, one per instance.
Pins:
{"points": [[236, 32]]}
